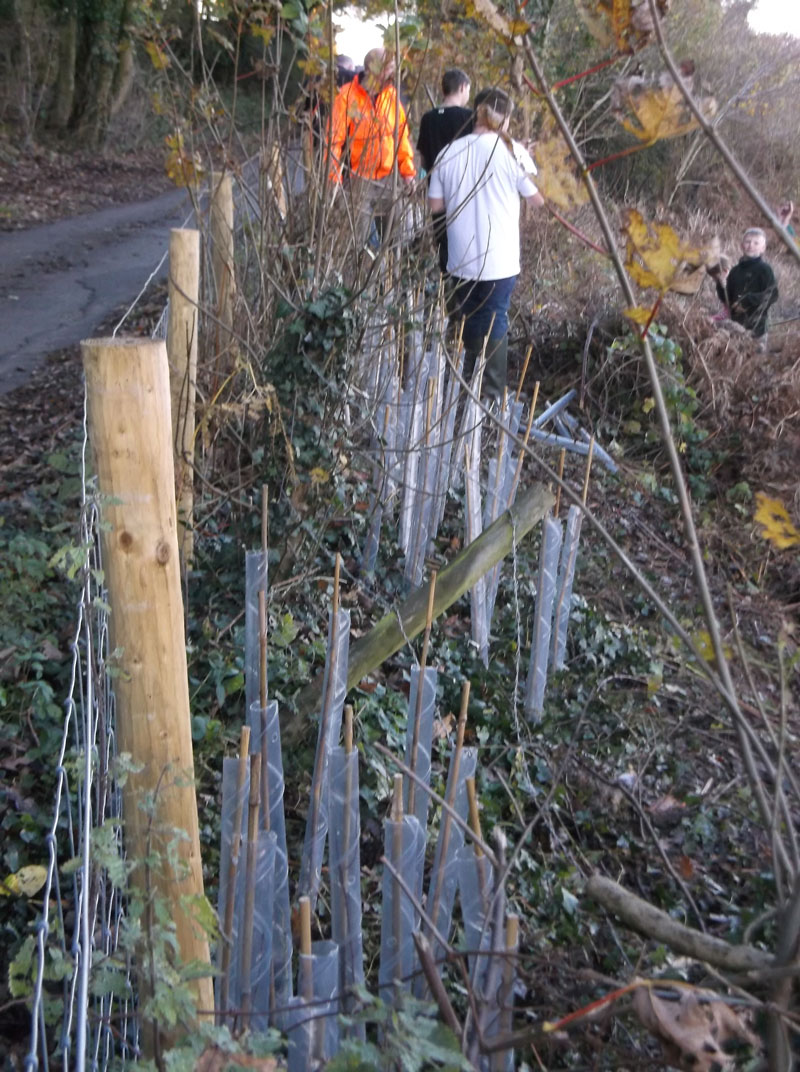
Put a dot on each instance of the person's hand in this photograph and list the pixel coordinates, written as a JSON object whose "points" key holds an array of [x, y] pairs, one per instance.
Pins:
{"points": [[409, 182], [785, 212]]}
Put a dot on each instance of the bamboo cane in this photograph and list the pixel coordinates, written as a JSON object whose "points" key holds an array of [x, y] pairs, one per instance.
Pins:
{"points": [[447, 821], [528, 353], [561, 459], [588, 471], [325, 716], [423, 662], [250, 886], [233, 870], [397, 856], [506, 990]]}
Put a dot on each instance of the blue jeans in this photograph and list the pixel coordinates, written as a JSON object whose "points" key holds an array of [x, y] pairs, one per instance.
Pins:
{"points": [[483, 306]]}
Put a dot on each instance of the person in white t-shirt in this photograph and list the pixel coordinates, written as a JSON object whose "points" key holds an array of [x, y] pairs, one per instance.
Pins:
{"points": [[478, 181]]}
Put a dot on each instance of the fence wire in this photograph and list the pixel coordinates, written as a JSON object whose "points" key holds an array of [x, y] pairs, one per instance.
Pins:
{"points": [[73, 1024]]}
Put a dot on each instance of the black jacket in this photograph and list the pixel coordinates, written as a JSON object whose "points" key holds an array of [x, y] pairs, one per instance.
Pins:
{"points": [[749, 291]]}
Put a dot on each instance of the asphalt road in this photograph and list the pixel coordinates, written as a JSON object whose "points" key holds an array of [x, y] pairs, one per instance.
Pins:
{"points": [[60, 281]]}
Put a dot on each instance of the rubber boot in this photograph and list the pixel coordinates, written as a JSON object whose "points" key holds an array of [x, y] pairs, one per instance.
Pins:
{"points": [[495, 375]]}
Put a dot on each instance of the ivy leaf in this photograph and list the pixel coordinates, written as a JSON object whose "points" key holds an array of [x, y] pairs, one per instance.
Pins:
{"points": [[558, 179], [25, 882], [654, 254], [776, 525]]}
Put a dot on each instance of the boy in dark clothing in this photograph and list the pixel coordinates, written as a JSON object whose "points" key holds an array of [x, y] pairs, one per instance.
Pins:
{"points": [[749, 289], [438, 128]]}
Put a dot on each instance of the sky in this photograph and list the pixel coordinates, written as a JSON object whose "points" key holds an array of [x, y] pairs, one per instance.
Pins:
{"points": [[776, 17], [355, 35]]}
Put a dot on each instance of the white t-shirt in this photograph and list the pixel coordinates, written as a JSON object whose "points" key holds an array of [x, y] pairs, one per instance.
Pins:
{"points": [[481, 184]]}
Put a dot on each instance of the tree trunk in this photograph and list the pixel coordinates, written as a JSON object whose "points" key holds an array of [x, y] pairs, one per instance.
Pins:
{"points": [[97, 59], [65, 80]]}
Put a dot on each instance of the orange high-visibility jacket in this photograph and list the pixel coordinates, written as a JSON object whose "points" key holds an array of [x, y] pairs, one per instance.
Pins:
{"points": [[367, 130]]}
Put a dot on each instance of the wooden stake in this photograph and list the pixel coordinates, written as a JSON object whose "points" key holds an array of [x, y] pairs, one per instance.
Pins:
{"points": [[128, 395], [403, 624], [250, 885], [423, 662], [183, 293], [233, 870], [561, 459], [222, 263], [588, 471], [528, 353]]}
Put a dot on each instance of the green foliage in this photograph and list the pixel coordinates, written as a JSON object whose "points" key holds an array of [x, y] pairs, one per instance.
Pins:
{"points": [[411, 1039]]}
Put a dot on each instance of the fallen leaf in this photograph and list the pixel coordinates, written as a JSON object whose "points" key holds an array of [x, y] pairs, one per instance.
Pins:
{"points": [[686, 867], [693, 1028], [776, 525], [666, 811], [443, 727], [213, 1059]]}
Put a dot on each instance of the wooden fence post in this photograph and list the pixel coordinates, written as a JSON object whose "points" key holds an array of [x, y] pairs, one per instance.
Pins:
{"points": [[129, 418], [222, 264], [184, 292]]}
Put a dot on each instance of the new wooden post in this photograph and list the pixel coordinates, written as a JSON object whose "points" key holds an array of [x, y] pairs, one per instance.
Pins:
{"points": [[184, 291], [222, 261], [130, 425]]}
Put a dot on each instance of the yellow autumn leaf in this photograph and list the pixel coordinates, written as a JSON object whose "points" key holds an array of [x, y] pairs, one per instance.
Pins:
{"points": [[705, 646], [158, 57], [657, 112], [558, 179], [265, 33], [25, 882], [182, 167], [624, 24], [776, 525], [319, 476], [638, 314], [648, 404], [654, 253]]}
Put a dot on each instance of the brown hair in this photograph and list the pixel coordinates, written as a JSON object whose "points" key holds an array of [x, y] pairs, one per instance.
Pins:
{"points": [[492, 108]]}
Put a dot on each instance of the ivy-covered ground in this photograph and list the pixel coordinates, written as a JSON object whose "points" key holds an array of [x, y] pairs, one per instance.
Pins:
{"points": [[635, 769]]}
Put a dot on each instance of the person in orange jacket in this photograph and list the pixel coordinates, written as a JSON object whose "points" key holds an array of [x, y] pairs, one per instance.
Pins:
{"points": [[368, 129]]}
